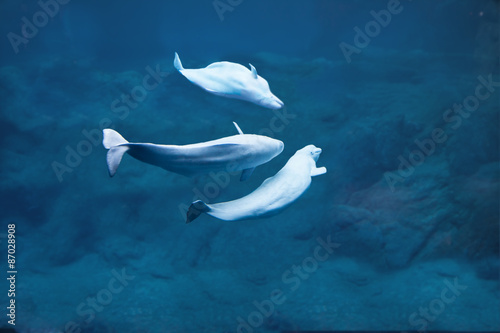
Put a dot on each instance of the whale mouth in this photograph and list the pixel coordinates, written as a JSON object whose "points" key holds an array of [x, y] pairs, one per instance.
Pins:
{"points": [[272, 102], [277, 102], [276, 99], [315, 153]]}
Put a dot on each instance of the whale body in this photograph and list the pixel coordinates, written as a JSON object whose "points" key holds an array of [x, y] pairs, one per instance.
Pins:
{"points": [[273, 196], [237, 152], [232, 80]]}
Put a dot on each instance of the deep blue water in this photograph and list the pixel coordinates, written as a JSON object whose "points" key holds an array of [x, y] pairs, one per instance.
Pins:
{"points": [[401, 233]]}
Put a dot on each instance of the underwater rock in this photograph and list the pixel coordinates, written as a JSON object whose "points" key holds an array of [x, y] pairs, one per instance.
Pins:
{"points": [[16, 100], [369, 150], [478, 226], [471, 145], [393, 227], [352, 271], [488, 36], [351, 226], [488, 268], [278, 321]]}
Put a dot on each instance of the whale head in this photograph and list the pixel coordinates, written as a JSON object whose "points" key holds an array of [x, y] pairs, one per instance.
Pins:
{"points": [[260, 93], [311, 151], [274, 146], [271, 102], [311, 154], [258, 149], [279, 147], [269, 148], [303, 162]]}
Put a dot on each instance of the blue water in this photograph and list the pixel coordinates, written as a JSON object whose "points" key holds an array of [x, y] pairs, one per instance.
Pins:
{"points": [[401, 233]]}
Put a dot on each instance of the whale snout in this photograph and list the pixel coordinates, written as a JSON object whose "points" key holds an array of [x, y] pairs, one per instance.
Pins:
{"points": [[272, 102], [281, 146], [276, 102], [277, 147], [315, 153]]}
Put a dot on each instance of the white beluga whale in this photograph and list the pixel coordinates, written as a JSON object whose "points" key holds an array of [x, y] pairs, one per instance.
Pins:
{"points": [[232, 80], [238, 152], [274, 195]]}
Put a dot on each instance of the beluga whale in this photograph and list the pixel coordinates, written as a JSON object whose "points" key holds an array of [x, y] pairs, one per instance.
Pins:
{"points": [[273, 196], [238, 152], [232, 80]]}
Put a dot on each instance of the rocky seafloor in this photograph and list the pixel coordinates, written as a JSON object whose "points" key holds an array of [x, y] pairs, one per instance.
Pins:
{"points": [[401, 233]]}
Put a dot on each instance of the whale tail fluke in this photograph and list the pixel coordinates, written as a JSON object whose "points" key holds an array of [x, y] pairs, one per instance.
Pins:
{"points": [[111, 138], [113, 141], [196, 209], [178, 63]]}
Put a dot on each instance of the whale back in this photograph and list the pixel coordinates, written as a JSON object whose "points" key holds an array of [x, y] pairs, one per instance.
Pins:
{"points": [[221, 78]]}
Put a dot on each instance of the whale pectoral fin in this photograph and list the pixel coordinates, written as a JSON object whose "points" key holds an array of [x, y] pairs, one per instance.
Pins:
{"points": [[196, 209], [254, 71], [318, 171], [215, 92], [210, 90], [245, 174], [238, 128]]}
